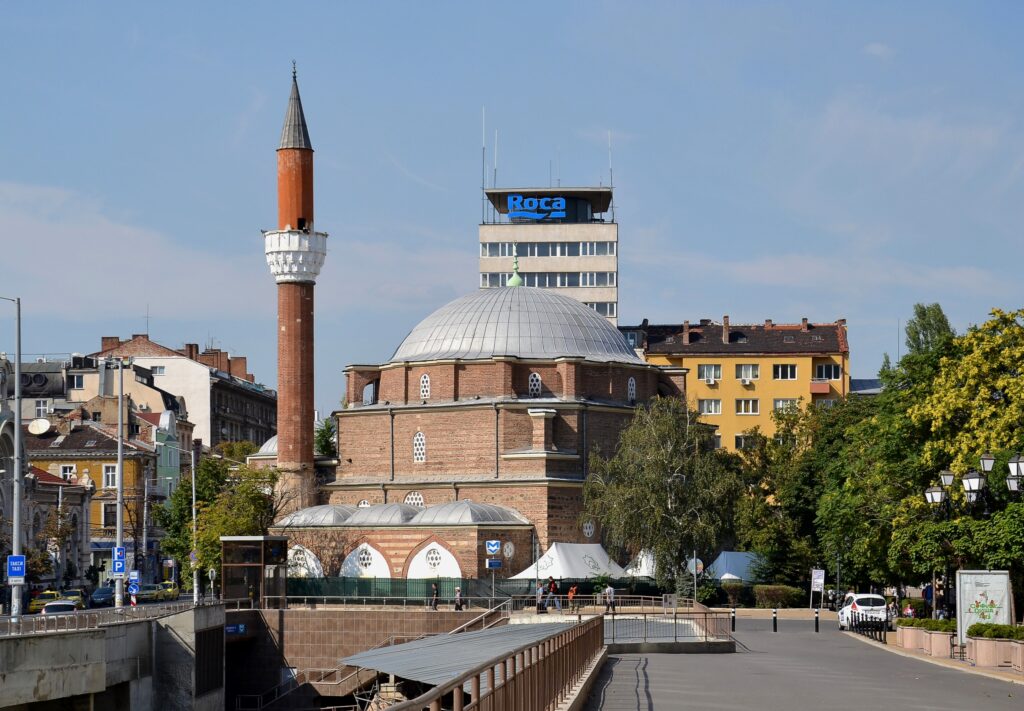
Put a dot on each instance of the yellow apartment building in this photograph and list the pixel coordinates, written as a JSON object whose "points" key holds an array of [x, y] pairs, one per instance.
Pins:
{"points": [[740, 373]]}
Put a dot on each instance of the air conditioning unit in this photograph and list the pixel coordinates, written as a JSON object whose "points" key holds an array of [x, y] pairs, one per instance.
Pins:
{"points": [[746, 381], [709, 381]]}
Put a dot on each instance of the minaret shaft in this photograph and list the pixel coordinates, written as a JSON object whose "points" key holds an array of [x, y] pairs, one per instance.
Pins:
{"points": [[294, 189]]}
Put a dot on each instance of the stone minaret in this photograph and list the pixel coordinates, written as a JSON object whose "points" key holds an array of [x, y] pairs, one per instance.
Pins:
{"points": [[295, 252]]}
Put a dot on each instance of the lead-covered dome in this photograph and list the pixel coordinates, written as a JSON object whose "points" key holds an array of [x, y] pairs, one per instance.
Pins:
{"points": [[455, 513], [515, 321]]}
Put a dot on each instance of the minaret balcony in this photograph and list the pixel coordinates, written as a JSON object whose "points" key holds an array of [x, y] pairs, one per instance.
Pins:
{"points": [[295, 255]]}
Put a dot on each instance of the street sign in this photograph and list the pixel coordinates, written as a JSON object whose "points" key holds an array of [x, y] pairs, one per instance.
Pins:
{"points": [[493, 563], [193, 557], [133, 589], [235, 629], [118, 552], [133, 576], [817, 580], [15, 570], [118, 571], [493, 547]]}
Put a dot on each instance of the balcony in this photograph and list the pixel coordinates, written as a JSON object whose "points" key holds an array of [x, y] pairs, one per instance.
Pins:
{"points": [[820, 386]]}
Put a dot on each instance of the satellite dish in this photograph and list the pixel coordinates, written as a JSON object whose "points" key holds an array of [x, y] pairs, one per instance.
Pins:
{"points": [[39, 426]]}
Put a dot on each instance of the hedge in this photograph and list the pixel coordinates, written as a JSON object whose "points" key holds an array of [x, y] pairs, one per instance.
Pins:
{"points": [[928, 624], [778, 596], [992, 631]]}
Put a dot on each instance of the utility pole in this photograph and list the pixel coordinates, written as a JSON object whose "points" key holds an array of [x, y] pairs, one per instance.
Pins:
{"points": [[16, 480], [119, 538]]}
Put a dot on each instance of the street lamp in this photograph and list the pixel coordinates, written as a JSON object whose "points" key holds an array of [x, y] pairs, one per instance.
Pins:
{"points": [[16, 480], [946, 477], [1016, 476], [935, 495], [195, 563], [987, 460], [974, 484]]}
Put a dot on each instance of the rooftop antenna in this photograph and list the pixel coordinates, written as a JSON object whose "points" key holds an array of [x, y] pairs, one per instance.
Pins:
{"points": [[558, 166], [483, 164], [147, 320], [550, 181], [494, 180], [611, 175]]}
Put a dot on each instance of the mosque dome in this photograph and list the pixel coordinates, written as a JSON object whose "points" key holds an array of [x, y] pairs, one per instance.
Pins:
{"points": [[464, 512], [326, 515], [383, 515], [269, 447], [516, 321]]}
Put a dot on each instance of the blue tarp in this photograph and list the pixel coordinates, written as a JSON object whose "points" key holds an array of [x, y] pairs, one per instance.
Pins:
{"points": [[734, 565]]}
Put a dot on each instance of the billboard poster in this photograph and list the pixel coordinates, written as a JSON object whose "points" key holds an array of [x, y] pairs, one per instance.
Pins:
{"points": [[982, 596]]}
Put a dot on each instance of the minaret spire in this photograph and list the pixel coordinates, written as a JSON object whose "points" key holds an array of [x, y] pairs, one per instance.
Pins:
{"points": [[294, 133], [515, 279]]}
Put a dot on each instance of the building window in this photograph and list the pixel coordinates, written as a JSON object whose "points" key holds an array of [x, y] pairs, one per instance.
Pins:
{"points": [[826, 402], [75, 381], [534, 385], [109, 515], [433, 558], [419, 447], [109, 476], [747, 406], [748, 371], [414, 498], [588, 529], [157, 370], [363, 504], [631, 389], [40, 408], [827, 371], [67, 471], [785, 404], [365, 558], [784, 371], [709, 371], [743, 441], [709, 407], [605, 308], [717, 440], [424, 387]]}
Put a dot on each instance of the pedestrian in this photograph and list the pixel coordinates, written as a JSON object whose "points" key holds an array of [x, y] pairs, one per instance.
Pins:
{"points": [[574, 603], [908, 611], [609, 598], [540, 597], [433, 597], [553, 594], [458, 599]]}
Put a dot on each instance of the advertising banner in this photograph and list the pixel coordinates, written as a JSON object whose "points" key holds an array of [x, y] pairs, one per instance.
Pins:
{"points": [[982, 596], [817, 580]]}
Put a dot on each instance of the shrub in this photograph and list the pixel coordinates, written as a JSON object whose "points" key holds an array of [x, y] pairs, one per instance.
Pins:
{"points": [[988, 630], [733, 592], [778, 596], [928, 624], [707, 593]]}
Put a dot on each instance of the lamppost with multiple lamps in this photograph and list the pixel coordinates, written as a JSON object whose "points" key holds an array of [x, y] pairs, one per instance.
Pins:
{"points": [[193, 557]]}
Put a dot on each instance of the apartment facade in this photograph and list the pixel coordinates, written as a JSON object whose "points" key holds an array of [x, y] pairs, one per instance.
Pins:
{"points": [[740, 373], [562, 241]]}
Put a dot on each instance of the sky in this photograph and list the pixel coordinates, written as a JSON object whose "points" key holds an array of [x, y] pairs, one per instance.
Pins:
{"points": [[771, 160]]}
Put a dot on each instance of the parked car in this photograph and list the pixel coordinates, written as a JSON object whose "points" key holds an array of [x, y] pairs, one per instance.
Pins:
{"points": [[37, 603], [59, 607], [102, 597], [149, 592], [867, 605], [76, 596], [171, 590]]}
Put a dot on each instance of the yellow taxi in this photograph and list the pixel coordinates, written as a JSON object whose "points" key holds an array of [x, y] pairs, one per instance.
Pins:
{"points": [[37, 603], [170, 590]]}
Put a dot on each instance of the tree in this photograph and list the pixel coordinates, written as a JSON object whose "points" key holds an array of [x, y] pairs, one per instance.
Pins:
{"points": [[928, 329], [323, 439], [246, 505], [666, 489], [236, 451]]}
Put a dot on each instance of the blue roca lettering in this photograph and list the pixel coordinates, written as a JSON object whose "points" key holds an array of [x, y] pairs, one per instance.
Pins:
{"points": [[531, 208]]}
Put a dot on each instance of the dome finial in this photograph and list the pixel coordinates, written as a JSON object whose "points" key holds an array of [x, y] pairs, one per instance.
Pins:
{"points": [[515, 280]]}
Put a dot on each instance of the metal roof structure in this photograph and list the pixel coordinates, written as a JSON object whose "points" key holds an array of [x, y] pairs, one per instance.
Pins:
{"points": [[383, 515], [522, 322], [325, 515], [443, 657], [464, 512], [294, 133]]}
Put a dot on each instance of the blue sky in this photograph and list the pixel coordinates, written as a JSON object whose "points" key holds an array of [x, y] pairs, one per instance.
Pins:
{"points": [[772, 160]]}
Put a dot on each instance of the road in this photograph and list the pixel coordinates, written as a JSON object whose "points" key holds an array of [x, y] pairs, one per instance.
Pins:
{"points": [[794, 669]]}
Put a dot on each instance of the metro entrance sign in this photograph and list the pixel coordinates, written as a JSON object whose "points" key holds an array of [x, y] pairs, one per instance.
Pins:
{"points": [[15, 570], [492, 547]]}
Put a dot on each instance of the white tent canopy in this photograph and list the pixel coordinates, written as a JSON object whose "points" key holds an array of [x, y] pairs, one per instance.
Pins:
{"points": [[573, 560], [642, 566]]}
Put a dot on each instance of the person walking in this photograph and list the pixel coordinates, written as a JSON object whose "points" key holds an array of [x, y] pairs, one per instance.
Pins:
{"points": [[553, 595], [574, 603], [540, 597], [458, 599], [609, 598], [433, 597]]}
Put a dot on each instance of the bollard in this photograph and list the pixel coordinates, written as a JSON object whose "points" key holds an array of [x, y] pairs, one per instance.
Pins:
{"points": [[815, 621], [734, 619], [775, 620]]}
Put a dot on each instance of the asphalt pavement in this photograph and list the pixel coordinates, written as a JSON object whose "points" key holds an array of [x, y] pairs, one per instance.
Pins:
{"points": [[794, 669]]}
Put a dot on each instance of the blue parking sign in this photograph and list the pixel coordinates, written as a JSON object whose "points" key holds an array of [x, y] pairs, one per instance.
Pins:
{"points": [[118, 571], [16, 570]]}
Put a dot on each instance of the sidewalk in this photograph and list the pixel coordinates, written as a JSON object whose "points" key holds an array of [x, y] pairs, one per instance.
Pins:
{"points": [[784, 613], [964, 666]]}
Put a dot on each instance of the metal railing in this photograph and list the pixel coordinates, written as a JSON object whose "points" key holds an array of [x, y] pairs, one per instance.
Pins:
{"points": [[87, 619], [675, 627], [535, 676]]}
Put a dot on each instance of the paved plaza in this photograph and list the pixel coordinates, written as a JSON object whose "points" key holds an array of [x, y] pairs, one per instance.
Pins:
{"points": [[794, 669]]}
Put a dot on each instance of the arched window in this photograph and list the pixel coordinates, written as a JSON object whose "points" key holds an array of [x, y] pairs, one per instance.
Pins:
{"points": [[631, 389], [419, 447], [414, 498], [433, 558], [534, 385], [424, 387], [365, 558], [364, 504]]}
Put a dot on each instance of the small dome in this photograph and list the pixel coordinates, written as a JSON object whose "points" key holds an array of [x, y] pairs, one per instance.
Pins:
{"points": [[326, 515], [383, 515], [457, 513], [269, 447], [525, 322]]}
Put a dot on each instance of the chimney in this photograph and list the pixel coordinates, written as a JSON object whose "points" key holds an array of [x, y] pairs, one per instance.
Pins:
{"points": [[686, 333], [140, 335], [841, 322], [768, 323], [237, 366], [109, 342], [803, 324], [725, 329], [192, 351]]}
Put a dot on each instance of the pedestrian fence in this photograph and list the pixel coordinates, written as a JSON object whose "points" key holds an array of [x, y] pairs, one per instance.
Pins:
{"points": [[87, 619], [870, 627]]}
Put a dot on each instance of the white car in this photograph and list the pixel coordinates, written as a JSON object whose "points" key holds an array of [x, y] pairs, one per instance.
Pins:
{"points": [[870, 606]]}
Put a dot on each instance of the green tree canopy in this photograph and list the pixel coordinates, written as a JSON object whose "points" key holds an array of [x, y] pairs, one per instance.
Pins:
{"points": [[323, 439], [928, 329]]}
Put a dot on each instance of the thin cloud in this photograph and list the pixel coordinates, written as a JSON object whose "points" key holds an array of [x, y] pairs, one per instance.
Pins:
{"points": [[413, 176], [878, 50]]}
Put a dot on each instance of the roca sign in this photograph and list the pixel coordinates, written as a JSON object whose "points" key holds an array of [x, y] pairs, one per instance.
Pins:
{"points": [[532, 208]]}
